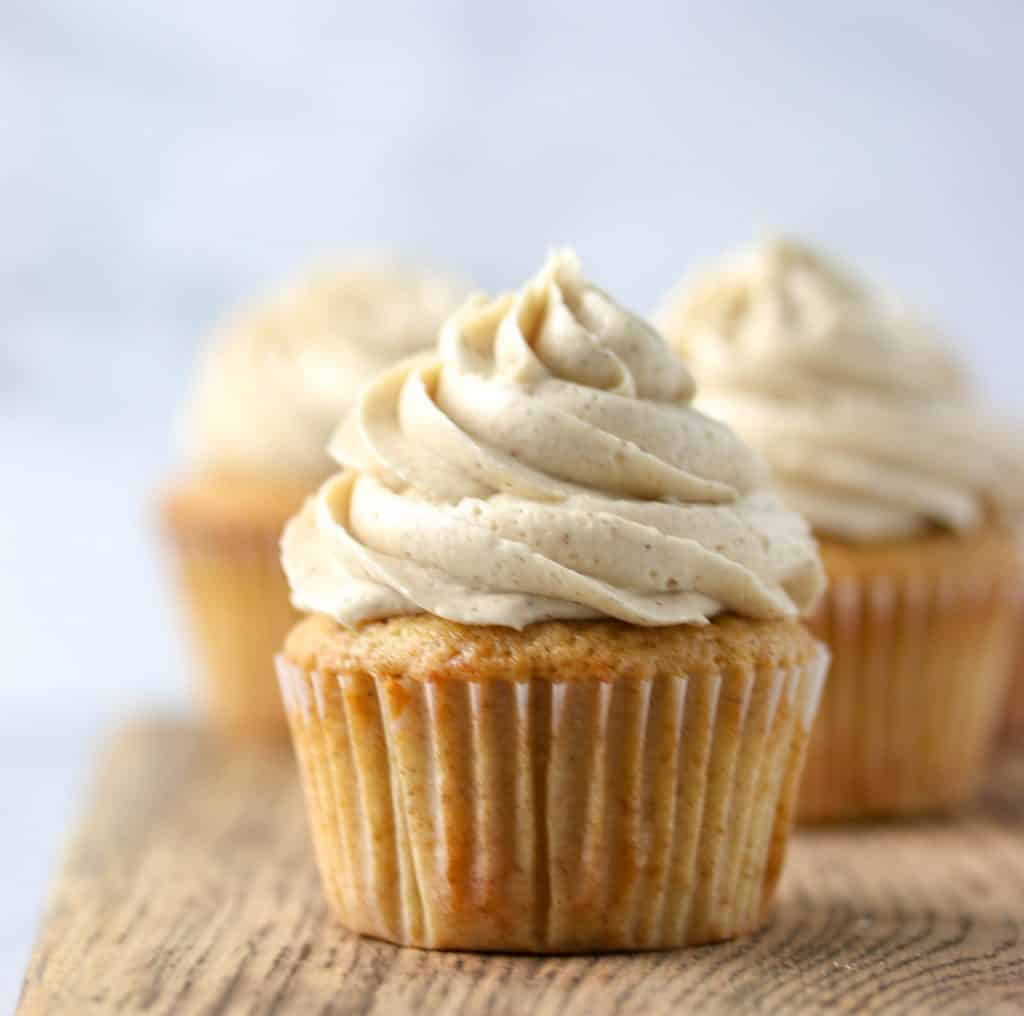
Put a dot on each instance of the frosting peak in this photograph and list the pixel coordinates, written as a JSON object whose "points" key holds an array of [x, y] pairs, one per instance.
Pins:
{"points": [[277, 376], [784, 317], [872, 426], [545, 463]]}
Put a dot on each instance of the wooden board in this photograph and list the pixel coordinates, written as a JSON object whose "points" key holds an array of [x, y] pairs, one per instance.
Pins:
{"points": [[190, 888]]}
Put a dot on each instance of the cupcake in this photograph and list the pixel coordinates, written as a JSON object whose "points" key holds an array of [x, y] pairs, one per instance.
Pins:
{"points": [[270, 388], [878, 437], [553, 694]]}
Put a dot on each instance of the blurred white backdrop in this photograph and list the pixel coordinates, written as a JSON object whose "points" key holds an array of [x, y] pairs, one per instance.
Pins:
{"points": [[161, 162]]}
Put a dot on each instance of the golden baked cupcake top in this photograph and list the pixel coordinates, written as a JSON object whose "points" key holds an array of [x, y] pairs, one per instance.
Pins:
{"points": [[874, 429], [277, 377], [426, 648], [546, 463]]}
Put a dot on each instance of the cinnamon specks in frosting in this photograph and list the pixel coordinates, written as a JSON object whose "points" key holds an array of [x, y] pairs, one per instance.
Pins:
{"points": [[546, 462]]}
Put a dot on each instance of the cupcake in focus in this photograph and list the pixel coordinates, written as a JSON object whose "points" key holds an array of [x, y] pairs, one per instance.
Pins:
{"points": [[554, 692], [269, 390], [877, 435]]}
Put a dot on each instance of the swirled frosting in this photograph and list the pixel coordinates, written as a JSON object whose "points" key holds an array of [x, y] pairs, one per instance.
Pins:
{"points": [[276, 377], [545, 463], [873, 428]]}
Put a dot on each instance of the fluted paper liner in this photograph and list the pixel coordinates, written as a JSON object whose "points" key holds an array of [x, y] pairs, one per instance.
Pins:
{"points": [[236, 603], [1013, 714], [915, 691], [547, 816], [1013, 711]]}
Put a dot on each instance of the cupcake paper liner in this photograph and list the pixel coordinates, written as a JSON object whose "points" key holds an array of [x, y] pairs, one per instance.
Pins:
{"points": [[1013, 711], [546, 816], [1013, 723], [915, 691], [236, 602]]}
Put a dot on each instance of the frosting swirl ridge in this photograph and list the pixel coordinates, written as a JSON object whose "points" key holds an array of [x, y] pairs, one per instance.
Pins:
{"points": [[546, 462]]}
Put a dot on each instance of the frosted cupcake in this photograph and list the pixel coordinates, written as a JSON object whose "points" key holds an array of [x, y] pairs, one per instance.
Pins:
{"points": [[554, 693], [878, 437], [270, 388]]}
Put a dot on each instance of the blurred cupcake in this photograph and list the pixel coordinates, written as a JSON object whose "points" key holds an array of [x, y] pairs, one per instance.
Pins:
{"points": [[270, 388], [554, 694], [877, 436]]}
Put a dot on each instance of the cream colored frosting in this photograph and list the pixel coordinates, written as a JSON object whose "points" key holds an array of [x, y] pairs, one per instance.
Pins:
{"points": [[873, 428], [545, 463], [276, 378]]}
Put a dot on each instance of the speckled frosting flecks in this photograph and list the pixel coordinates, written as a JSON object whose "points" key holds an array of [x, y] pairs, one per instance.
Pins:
{"points": [[874, 430], [545, 463]]}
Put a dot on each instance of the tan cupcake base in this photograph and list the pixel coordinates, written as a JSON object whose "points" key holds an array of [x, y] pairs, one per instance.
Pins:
{"points": [[920, 636], [223, 537], [457, 809]]}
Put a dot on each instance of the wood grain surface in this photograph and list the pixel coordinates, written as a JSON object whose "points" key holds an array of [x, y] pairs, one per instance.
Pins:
{"points": [[190, 888]]}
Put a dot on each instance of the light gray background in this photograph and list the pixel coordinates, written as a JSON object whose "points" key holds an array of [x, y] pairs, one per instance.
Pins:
{"points": [[161, 161]]}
